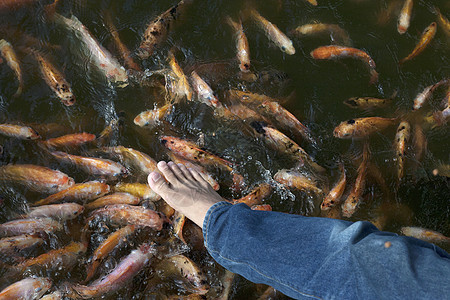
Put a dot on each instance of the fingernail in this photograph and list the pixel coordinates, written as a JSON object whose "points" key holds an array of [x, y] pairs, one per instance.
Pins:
{"points": [[162, 164], [155, 176]]}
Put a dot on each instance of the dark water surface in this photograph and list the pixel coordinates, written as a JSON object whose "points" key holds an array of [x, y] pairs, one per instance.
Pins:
{"points": [[201, 40]]}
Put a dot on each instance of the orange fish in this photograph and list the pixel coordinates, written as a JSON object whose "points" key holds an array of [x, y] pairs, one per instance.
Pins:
{"points": [[116, 198], [28, 288], [361, 127], [79, 192], [70, 140], [425, 39], [36, 178], [204, 92], [61, 212], [426, 235], [295, 180], [17, 243], [334, 52], [256, 196], [405, 16], [243, 50], [18, 131], [400, 144], [140, 190], [10, 56], [153, 117], [29, 226], [92, 165], [334, 196], [106, 247]]}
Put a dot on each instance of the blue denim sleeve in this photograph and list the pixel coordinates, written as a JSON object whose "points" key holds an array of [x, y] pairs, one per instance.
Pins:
{"points": [[308, 257]]}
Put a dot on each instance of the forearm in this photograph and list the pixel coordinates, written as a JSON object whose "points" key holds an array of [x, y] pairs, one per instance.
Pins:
{"points": [[317, 257]]}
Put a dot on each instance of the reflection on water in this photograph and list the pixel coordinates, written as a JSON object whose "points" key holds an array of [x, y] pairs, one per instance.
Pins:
{"points": [[312, 90]]}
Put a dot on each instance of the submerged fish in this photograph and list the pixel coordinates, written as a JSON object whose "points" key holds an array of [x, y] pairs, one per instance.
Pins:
{"points": [[100, 57], [183, 267], [334, 30], [61, 212], [400, 144], [79, 192], [251, 98], [10, 56], [334, 196], [273, 33], [425, 39], [180, 87], [354, 198], [105, 248], [69, 140], [116, 198], [296, 180], [424, 234], [204, 92], [28, 288], [362, 127], [334, 52], [29, 226], [366, 103], [242, 47], [17, 243], [256, 196], [157, 31], [92, 165], [405, 16], [282, 143], [152, 117], [125, 271], [423, 96], [123, 214], [18, 131], [55, 80], [139, 160], [140, 190], [36, 178], [444, 23]]}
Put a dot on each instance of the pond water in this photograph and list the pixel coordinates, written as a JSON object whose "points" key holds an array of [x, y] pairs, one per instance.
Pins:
{"points": [[201, 40]]}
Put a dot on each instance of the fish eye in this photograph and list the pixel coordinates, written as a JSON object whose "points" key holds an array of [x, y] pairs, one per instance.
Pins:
{"points": [[283, 48], [351, 122]]}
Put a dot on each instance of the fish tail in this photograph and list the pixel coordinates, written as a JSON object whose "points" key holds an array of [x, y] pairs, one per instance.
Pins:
{"points": [[19, 91], [236, 26]]}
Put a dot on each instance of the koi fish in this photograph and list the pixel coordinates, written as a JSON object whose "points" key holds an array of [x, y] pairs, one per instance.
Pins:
{"points": [[36, 178], [238, 111], [261, 207], [425, 39], [55, 80], [288, 120], [273, 33], [179, 220], [181, 85], [362, 127], [78, 192], [401, 139], [125, 271], [242, 47], [123, 214], [140, 190], [10, 56], [420, 143], [137, 159], [178, 160], [180, 265], [405, 16], [28, 288], [293, 179], [153, 117], [251, 98], [92, 165], [204, 92], [334, 196], [116, 198], [18, 131], [422, 97], [29, 226], [123, 50], [334, 30], [282, 143], [366, 103], [99, 56], [334, 52], [61, 212], [157, 31], [256, 196], [354, 198], [426, 235], [17, 243], [57, 295], [444, 23], [59, 259], [69, 140], [105, 248]]}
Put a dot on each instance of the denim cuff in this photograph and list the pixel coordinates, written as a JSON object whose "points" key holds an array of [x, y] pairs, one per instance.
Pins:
{"points": [[208, 215]]}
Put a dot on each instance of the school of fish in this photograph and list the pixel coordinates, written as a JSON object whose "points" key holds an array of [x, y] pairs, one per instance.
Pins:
{"points": [[85, 208]]}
